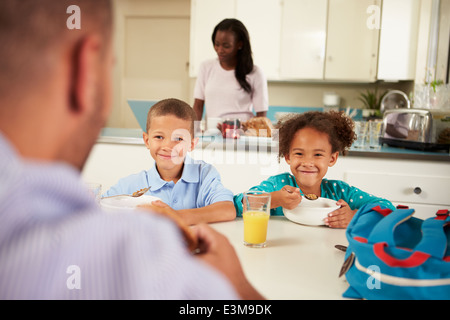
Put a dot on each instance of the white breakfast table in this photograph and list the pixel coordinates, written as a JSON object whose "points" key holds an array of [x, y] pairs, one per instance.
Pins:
{"points": [[299, 262]]}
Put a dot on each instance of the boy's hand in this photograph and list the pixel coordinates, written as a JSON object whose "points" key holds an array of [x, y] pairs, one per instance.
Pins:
{"points": [[159, 203], [288, 197], [340, 218], [164, 209]]}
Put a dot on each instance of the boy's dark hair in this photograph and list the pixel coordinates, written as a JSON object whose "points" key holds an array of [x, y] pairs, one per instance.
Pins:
{"points": [[175, 107], [336, 125], [244, 55]]}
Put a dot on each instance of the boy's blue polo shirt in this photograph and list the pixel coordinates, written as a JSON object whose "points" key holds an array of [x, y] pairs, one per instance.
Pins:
{"points": [[199, 186], [331, 189]]}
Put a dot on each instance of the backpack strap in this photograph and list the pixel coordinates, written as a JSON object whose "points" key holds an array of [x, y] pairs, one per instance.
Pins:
{"points": [[433, 243], [442, 214], [434, 239], [384, 229], [416, 259]]}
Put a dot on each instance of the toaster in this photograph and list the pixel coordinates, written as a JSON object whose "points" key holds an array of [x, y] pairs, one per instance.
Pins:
{"points": [[420, 129]]}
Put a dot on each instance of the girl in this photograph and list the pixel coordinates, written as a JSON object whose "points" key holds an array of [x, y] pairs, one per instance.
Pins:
{"points": [[231, 86], [311, 143]]}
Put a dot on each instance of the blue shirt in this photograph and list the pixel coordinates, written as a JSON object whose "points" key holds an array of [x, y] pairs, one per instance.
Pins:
{"points": [[331, 189], [56, 243], [199, 186]]}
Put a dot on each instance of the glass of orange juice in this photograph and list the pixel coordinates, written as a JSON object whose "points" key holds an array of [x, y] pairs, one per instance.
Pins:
{"points": [[256, 215]]}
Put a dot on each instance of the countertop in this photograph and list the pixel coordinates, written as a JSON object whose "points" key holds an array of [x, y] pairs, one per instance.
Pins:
{"points": [[134, 137]]}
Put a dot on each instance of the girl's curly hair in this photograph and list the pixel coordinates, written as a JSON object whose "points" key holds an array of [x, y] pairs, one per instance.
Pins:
{"points": [[336, 125]]}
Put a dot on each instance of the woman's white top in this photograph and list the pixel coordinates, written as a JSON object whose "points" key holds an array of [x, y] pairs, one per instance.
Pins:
{"points": [[223, 95]]}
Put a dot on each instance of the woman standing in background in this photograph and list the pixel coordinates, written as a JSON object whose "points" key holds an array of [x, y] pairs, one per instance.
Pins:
{"points": [[231, 86]]}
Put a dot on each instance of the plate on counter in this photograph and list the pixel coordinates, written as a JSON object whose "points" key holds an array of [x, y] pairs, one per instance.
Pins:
{"points": [[125, 202]]}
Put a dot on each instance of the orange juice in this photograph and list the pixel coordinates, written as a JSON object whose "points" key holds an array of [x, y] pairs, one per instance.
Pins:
{"points": [[255, 227]]}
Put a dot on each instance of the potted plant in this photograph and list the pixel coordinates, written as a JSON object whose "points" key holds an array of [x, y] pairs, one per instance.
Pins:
{"points": [[371, 102]]}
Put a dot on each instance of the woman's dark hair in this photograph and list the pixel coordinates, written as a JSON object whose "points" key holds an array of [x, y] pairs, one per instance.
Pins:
{"points": [[244, 56], [336, 125]]}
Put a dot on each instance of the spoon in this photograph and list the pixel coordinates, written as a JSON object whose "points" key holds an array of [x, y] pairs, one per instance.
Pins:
{"points": [[309, 196], [140, 192], [341, 247], [135, 194]]}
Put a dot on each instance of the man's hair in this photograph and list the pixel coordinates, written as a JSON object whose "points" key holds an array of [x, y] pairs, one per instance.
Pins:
{"points": [[31, 32], [175, 107]]}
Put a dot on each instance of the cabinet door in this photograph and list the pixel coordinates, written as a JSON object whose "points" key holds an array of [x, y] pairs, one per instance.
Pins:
{"points": [[410, 188], [262, 18], [303, 39], [205, 15], [352, 43], [398, 39]]}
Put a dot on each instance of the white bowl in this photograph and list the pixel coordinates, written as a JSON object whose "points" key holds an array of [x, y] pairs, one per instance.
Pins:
{"points": [[126, 202], [311, 212]]}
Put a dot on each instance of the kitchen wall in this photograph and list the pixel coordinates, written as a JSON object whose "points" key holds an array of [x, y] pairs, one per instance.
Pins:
{"points": [[152, 49]]}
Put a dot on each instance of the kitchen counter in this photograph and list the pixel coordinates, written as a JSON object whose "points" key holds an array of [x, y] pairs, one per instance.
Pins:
{"points": [[134, 137]]}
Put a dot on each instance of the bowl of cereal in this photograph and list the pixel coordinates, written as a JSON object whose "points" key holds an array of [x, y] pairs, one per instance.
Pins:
{"points": [[311, 212]]}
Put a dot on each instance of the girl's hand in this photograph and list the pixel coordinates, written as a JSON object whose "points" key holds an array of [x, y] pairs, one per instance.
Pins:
{"points": [[340, 218], [288, 197]]}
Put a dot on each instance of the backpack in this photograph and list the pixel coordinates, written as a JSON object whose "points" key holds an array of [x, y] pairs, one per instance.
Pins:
{"points": [[393, 255]]}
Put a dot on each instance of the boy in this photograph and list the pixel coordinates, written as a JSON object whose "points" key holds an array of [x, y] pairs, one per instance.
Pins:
{"points": [[192, 188]]}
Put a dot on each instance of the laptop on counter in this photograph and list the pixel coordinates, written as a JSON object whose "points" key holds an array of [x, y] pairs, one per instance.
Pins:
{"points": [[140, 110]]}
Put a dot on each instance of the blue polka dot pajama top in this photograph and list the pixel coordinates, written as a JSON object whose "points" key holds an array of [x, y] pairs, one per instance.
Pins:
{"points": [[331, 189]]}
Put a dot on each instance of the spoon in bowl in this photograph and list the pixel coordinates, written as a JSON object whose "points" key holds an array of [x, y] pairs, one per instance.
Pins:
{"points": [[135, 194], [309, 196], [140, 192]]}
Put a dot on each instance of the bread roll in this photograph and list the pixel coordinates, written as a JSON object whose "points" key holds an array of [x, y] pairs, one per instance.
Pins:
{"points": [[258, 126]]}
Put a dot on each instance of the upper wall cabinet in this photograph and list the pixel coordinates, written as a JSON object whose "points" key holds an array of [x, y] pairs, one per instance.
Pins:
{"points": [[398, 40], [303, 39], [352, 40], [262, 18], [205, 15], [331, 40]]}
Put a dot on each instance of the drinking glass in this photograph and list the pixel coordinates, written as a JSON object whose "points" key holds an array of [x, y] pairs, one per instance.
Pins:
{"points": [[256, 218], [361, 134], [374, 134]]}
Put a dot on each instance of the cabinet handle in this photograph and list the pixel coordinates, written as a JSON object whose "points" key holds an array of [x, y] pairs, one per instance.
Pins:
{"points": [[417, 190]]}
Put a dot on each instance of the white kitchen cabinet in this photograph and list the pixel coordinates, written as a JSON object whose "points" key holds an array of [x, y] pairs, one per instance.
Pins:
{"points": [[205, 15], [262, 18], [418, 184], [409, 188], [333, 40], [289, 37], [398, 40], [352, 42], [303, 39]]}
